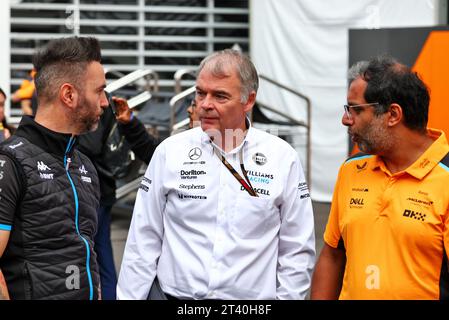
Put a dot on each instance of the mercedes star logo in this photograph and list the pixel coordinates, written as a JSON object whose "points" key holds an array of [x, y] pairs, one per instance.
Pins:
{"points": [[195, 153]]}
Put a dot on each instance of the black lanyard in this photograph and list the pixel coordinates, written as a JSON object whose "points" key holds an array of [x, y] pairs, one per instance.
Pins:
{"points": [[244, 182]]}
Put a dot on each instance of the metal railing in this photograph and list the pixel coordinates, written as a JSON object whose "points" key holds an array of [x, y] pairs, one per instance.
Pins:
{"points": [[150, 85], [174, 103], [179, 75], [306, 124]]}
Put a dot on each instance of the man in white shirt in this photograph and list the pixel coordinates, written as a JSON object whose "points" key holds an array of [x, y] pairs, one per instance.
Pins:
{"points": [[223, 211]]}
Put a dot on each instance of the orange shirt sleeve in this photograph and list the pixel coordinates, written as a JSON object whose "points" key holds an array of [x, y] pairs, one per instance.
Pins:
{"points": [[332, 233]]}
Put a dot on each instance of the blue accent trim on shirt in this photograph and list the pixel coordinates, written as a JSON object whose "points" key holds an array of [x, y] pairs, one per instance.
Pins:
{"points": [[445, 167], [5, 227], [359, 158], [75, 194]]}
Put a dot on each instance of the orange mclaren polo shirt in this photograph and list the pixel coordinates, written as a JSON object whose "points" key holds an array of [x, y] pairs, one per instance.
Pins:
{"points": [[394, 227]]}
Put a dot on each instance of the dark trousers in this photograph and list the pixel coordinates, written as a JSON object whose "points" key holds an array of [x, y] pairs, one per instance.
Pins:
{"points": [[105, 257]]}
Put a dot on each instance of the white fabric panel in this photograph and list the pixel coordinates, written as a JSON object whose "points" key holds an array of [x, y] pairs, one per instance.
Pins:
{"points": [[303, 44]]}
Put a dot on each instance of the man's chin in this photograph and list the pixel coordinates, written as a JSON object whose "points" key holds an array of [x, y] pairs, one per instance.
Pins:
{"points": [[208, 127], [89, 128]]}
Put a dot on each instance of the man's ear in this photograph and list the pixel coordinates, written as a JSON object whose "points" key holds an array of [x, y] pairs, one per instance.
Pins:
{"points": [[251, 101], [395, 114], [68, 95]]}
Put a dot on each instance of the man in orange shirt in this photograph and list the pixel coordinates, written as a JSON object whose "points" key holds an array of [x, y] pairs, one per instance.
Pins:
{"points": [[25, 93], [388, 231]]}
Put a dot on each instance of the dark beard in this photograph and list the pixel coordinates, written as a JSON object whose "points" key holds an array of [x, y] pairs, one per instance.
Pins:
{"points": [[85, 121]]}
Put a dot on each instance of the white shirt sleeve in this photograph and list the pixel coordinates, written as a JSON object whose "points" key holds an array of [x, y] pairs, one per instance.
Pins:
{"points": [[296, 257], [143, 246]]}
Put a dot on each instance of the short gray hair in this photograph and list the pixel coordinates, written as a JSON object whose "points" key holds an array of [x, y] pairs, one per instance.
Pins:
{"points": [[217, 61], [357, 70]]}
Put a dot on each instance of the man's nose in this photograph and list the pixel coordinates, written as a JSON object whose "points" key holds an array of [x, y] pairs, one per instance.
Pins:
{"points": [[347, 121], [206, 103], [104, 103]]}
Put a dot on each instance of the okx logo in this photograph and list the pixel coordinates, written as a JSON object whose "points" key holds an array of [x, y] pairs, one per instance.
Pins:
{"points": [[414, 215]]}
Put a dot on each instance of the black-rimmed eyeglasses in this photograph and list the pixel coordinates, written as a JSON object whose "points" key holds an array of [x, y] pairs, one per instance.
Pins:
{"points": [[363, 105]]}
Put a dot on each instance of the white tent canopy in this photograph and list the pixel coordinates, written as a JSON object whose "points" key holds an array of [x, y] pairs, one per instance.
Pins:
{"points": [[303, 44]]}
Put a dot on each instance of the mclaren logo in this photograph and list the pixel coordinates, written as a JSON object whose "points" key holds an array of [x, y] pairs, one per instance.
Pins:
{"points": [[361, 167], [419, 201], [360, 189], [424, 163], [195, 153]]}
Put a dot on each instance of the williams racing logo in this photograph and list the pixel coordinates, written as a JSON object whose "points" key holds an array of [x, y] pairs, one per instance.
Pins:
{"points": [[414, 215], [191, 174], [260, 177]]}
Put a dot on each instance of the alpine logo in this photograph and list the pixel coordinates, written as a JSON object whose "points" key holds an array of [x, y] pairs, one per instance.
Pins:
{"points": [[41, 166], [82, 169], [259, 158], [86, 179], [195, 153]]}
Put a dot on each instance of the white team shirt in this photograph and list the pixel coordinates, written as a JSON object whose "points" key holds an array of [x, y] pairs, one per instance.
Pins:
{"points": [[205, 237]]}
